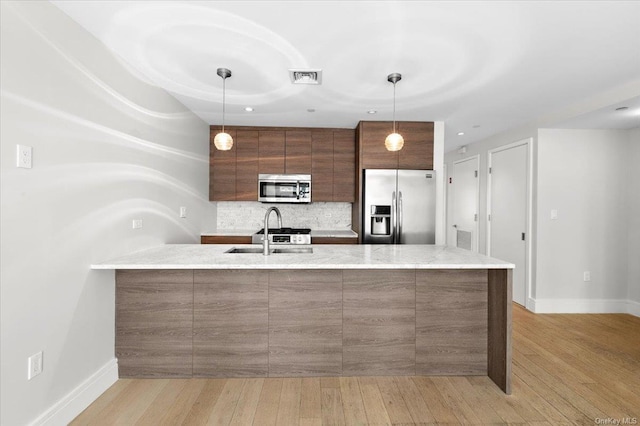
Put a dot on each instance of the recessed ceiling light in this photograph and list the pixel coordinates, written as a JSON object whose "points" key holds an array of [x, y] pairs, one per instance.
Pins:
{"points": [[475, 126], [460, 133], [248, 109], [311, 110], [372, 111], [621, 108]]}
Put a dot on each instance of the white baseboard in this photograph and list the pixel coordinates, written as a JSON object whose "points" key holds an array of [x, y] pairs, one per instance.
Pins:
{"points": [[72, 404], [584, 306]]}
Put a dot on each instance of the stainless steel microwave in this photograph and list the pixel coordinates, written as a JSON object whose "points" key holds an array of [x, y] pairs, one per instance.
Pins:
{"points": [[284, 188]]}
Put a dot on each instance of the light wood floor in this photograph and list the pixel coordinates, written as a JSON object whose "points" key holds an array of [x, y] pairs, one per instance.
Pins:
{"points": [[567, 369]]}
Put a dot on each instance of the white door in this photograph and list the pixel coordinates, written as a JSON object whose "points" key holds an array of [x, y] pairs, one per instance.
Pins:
{"points": [[508, 212], [465, 200]]}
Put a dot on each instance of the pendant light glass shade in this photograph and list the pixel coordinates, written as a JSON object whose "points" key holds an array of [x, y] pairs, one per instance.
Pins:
{"points": [[223, 141], [395, 141]]}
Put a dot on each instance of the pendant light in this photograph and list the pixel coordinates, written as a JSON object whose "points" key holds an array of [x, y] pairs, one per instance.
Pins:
{"points": [[223, 141], [394, 141]]}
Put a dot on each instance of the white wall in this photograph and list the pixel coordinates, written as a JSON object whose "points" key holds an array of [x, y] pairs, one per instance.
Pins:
{"points": [[108, 148], [633, 227], [583, 175]]}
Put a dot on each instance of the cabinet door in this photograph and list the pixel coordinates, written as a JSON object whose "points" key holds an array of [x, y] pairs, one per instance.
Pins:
{"points": [[417, 152], [154, 323], [451, 322], [230, 317], [374, 153], [305, 323], [271, 151], [222, 170], [322, 165], [344, 166], [298, 151], [379, 322], [247, 165]]}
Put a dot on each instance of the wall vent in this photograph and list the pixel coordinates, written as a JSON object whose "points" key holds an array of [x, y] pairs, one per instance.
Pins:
{"points": [[305, 76]]}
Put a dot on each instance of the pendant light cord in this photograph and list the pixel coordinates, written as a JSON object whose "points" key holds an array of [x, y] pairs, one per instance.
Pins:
{"points": [[224, 91], [394, 107]]}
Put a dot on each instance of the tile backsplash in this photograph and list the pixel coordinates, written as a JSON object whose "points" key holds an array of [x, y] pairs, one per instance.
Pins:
{"points": [[250, 215]]}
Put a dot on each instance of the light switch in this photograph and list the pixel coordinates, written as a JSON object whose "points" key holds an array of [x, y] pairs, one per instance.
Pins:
{"points": [[554, 214]]}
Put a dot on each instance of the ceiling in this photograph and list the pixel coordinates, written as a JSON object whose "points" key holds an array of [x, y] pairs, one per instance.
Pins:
{"points": [[480, 67]]}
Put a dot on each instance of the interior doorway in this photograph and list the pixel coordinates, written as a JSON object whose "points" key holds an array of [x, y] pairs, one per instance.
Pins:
{"points": [[465, 200], [508, 211]]}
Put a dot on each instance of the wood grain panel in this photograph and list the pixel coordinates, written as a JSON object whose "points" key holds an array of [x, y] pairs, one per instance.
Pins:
{"points": [[379, 322], [344, 166], [305, 323], [298, 151], [225, 239], [222, 184], [230, 323], [374, 153], [154, 323], [417, 152], [247, 165], [334, 240], [271, 151], [322, 165], [500, 327], [451, 322]]}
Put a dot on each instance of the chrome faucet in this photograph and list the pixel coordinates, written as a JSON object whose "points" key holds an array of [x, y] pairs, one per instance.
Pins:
{"points": [[265, 240]]}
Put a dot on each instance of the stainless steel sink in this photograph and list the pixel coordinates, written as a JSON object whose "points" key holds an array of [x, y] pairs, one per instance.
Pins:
{"points": [[279, 250]]}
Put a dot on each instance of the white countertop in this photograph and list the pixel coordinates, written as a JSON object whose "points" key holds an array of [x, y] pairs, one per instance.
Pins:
{"points": [[334, 233], [329, 256]]}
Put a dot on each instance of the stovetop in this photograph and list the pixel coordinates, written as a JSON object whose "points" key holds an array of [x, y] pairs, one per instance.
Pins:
{"points": [[286, 231]]}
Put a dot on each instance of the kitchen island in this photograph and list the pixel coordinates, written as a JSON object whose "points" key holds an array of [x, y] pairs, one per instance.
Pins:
{"points": [[343, 310]]}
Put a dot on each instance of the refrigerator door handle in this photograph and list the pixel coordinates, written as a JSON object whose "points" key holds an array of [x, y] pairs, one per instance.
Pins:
{"points": [[394, 218], [400, 217]]}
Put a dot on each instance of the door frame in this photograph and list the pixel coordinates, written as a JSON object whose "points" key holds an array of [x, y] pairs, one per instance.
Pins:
{"points": [[528, 142], [475, 246]]}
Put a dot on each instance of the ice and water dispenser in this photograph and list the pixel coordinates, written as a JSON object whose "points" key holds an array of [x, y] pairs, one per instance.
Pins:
{"points": [[381, 220]]}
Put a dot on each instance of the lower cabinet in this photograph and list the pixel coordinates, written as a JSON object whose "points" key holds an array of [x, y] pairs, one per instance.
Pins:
{"points": [[230, 323], [305, 323], [154, 314]]}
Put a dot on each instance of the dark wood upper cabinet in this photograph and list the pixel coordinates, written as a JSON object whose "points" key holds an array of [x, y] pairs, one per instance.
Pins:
{"points": [[322, 164], [222, 169], [271, 151], [344, 166], [417, 152], [297, 152], [329, 155], [246, 142]]}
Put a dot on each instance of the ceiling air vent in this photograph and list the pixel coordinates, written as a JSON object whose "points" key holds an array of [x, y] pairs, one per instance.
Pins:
{"points": [[306, 76]]}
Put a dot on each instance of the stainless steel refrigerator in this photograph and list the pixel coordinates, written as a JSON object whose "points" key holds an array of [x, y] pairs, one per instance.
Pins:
{"points": [[399, 206]]}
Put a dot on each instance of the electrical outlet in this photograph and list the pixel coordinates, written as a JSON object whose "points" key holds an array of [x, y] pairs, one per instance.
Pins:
{"points": [[137, 223], [183, 212], [24, 156], [586, 276], [34, 365]]}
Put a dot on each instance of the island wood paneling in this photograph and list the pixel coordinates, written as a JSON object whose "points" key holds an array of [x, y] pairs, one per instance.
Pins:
{"points": [[379, 322], [246, 165], [230, 324], [225, 239], [451, 322], [154, 319], [322, 165], [500, 327], [297, 152], [305, 323], [334, 240]]}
